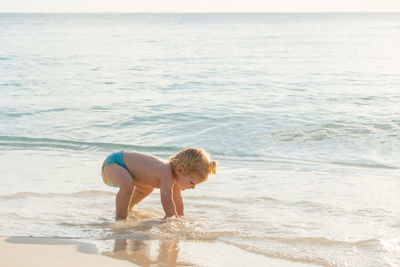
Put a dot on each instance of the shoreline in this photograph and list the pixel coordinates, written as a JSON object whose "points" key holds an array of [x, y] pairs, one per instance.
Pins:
{"points": [[43, 252], [50, 252]]}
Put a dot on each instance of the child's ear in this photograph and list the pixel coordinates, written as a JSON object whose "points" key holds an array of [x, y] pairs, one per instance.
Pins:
{"points": [[180, 169]]}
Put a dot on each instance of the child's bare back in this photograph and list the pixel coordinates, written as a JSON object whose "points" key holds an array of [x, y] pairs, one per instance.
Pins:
{"points": [[137, 174], [147, 169]]}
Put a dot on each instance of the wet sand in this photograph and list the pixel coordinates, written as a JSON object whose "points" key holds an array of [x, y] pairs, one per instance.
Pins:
{"points": [[27, 251]]}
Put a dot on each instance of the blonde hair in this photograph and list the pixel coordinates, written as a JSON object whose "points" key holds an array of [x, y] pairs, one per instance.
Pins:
{"points": [[194, 160]]}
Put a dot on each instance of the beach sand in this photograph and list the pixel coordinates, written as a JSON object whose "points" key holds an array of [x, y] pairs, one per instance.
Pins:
{"points": [[28, 251], [50, 252]]}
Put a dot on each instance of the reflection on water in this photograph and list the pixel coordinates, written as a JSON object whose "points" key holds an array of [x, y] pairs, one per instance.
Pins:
{"points": [[179, 242], [180, 252], [141, 248], [147, 252]]}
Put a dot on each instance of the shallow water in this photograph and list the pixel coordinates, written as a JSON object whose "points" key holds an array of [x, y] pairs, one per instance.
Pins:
{"points": [[300, 110]]}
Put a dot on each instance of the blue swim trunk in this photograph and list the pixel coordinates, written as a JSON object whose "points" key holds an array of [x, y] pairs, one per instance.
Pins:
{"points": [[117, 158]]}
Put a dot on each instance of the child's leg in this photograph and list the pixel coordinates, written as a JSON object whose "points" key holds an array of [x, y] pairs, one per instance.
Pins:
{"points": [[120, 176], [139, 194]]}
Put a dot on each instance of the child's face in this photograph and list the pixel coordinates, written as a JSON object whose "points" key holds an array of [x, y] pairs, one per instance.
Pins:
{"points": [[186, 181]]}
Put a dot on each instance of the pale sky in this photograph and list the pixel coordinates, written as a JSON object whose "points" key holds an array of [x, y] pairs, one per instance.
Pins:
{"points": [[199, 5]]}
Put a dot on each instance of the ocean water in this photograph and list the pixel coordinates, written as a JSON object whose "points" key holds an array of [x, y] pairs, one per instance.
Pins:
{"points": [[301, 111]]}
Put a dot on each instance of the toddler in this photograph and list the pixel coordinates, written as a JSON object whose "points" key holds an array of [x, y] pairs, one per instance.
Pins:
{"points": [[137, 174]]}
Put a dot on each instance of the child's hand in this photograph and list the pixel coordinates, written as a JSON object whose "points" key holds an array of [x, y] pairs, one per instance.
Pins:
{"points": [[166, 197]]}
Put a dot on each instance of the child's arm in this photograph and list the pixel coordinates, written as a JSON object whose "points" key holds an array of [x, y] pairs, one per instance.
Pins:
{"points": [[177, 196], [139, 193], [166, 196]]}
